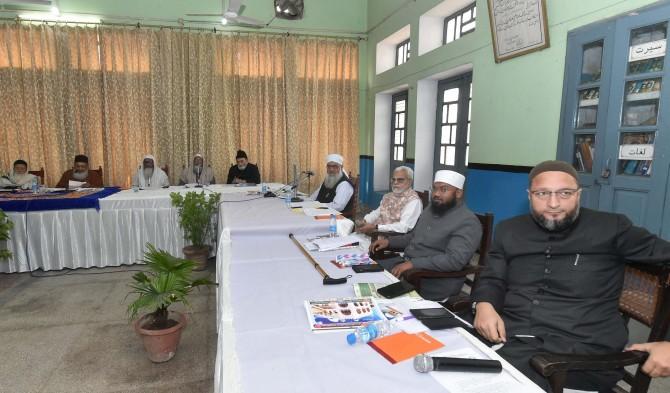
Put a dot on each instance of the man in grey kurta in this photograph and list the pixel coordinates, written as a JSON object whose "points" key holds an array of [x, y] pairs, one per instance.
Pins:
{"points": [[444, 239]]}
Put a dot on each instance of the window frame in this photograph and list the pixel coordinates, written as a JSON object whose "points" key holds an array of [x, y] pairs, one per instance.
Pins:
{"points": [[395, 98], [458, 26], [462, 143], [403, 45]]}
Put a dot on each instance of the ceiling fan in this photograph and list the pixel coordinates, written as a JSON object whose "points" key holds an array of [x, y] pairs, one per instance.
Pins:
{"points": [[233, 15]]}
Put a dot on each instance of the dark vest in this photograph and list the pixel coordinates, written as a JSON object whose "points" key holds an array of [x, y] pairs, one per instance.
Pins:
{"points": [[326, 195]]}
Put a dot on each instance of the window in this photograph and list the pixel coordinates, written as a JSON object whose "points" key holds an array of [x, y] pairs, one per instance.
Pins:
{"points": [[402, 52], [398, 129], [452, 136], [460, 23]]}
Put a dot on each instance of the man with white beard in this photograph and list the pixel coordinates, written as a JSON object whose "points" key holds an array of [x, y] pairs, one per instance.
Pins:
{"points": [[398, 210], [80, 173], [336, 190], [197, 173], [150, 176]]}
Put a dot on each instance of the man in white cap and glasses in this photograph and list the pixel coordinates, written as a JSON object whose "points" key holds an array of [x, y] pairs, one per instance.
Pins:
{"points": [[148, 175], [197, 173], [336, 190], [444, 239]]}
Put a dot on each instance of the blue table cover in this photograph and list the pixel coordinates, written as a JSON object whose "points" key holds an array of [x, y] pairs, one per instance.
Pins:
{"points": [[85, 202]]}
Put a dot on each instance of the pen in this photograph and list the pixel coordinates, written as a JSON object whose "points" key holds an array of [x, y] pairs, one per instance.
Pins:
{"points": [[577, 260]]}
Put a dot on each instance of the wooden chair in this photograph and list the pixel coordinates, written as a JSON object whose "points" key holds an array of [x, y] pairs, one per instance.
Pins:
{"points": [[99, 170], [645, 298], [425, 197], [39, 174], [351, 213], [471, 272]]}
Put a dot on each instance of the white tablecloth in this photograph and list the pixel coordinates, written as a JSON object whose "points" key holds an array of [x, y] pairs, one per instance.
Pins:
{"points": [[112, 236], [264, 342]]}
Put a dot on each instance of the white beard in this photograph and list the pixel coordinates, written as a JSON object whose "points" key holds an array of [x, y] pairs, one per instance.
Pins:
{"points": [[80, 175], [331, 180]]}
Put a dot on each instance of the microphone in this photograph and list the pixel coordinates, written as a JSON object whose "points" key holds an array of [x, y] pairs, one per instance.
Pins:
{"points": [[425, 363]]}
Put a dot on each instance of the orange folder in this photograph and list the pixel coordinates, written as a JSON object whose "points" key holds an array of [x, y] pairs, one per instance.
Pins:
{"points": [[402, 346]]}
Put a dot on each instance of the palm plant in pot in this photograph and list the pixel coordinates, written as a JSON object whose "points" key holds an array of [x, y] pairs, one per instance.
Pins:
{"points": [[195, 218], [168, 281]]}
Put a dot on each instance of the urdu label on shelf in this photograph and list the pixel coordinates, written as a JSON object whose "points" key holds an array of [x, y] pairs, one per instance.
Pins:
{"points": [[648, 50], [636, 152]]}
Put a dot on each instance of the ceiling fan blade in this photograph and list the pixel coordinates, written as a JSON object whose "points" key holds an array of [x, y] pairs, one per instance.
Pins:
{"points": [[249, 21], [234, 6]]}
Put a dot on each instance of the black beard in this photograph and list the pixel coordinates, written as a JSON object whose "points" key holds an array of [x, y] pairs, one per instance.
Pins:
{"points": [[441, 209], [555, 225]]}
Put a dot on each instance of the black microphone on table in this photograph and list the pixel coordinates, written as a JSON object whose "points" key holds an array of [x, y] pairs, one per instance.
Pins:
{"points": [[425, 363]]}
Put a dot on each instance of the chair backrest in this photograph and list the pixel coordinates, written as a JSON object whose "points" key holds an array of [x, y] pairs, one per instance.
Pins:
{"points": [[646, 298], [99, 170], [39, 174], [351, 213], [486, 219], [425, 197]]}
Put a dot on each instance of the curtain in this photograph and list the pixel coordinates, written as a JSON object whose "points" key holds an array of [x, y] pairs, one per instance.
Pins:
{"points": [[117, 94]]}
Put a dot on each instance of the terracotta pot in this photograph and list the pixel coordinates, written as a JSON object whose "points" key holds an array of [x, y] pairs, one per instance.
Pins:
{"points": [[199, 255], [161, 345]]}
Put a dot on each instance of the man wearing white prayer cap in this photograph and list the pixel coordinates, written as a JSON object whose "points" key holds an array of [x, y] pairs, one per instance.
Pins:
{"points": [[197, 173], [444, 239], [149, 175], [336, 189]]}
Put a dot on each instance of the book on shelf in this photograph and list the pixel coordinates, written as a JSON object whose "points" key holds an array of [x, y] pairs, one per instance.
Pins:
{"points": [[579, 161], [346, 313], [587, 156]]}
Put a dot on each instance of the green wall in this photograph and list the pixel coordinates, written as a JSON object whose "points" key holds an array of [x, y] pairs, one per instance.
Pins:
{"points": [[516, 104]]}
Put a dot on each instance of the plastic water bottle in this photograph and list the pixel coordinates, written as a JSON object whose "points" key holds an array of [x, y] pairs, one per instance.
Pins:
{"points": [[366, 333], [332, 227], [35, 186], [264, 188]]}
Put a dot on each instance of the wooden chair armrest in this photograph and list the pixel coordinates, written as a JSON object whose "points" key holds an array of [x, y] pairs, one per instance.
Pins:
{"points": [[458, 303], [549, 363], [413, 276]]}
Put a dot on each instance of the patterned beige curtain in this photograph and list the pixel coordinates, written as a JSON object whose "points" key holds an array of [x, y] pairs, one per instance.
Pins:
{"points": [[117, 94]]}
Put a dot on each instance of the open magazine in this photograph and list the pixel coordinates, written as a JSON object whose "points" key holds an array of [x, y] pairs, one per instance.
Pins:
{"points": [[347, 313]]}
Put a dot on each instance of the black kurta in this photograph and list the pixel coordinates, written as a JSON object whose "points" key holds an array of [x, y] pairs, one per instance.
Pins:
{"points": [[564, 287], [250, 174]]}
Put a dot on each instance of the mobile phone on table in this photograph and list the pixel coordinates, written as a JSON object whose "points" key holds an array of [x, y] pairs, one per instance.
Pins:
{"points": [[370, 268], [430, 313], [396, 289]]}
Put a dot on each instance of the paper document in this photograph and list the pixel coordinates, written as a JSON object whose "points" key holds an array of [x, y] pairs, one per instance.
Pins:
{"points": [[319, 211], [303, 204], [468, 382], [333, 243], [75, 184]]}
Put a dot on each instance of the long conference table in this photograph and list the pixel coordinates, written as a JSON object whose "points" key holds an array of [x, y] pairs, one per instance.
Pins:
{"points": [[113, 232], [264, 341]]}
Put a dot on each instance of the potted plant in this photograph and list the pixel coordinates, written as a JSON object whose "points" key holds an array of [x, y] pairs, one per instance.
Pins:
{"points": [[195, 218], [6, 226], [168, 281]]}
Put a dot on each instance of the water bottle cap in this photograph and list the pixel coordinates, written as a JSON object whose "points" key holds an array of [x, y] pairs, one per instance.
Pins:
{"points": [[351, 338]]}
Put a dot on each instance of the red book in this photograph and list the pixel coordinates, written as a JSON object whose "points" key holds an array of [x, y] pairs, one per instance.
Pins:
{"points": [[402, 346]]}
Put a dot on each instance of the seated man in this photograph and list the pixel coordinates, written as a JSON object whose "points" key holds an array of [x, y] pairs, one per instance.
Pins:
{"points": [[336, 190], [80, 173], [398, 210], [148, 175], [197, 173], [444, 239], [19, 176], [243, 172], [554, 278]]}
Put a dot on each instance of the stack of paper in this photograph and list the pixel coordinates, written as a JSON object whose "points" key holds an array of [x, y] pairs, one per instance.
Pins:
{"points": [[333, 243], [319, 211]]}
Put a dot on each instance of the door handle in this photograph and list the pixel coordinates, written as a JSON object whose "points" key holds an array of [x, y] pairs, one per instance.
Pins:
{"points": [[605, 174]]}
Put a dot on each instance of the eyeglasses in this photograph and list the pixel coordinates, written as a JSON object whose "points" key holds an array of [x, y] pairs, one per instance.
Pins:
{"points": [[398, 180], [565, 193]]}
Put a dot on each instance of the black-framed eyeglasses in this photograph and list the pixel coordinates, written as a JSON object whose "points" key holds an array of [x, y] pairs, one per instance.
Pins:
{"points": [[565, 193]]}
